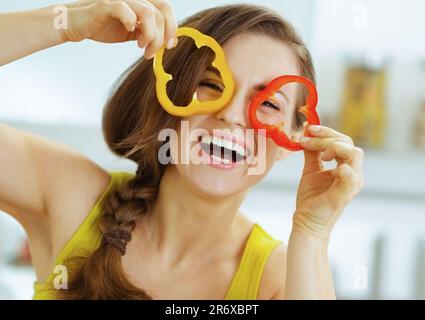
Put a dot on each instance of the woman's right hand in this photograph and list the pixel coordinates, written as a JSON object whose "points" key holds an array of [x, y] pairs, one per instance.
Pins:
{"points": [[152, 23]]}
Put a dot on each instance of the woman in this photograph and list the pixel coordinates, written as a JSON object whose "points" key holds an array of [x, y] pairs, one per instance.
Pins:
{"points": [[171, 231]]}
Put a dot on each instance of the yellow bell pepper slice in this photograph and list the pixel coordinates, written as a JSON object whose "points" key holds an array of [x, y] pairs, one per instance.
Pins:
{"points": [[195, 106]]}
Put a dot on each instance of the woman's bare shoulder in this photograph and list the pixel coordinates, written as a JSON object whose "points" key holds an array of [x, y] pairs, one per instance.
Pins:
{"points": [[74, 185], [80, 189], [272, 285]]}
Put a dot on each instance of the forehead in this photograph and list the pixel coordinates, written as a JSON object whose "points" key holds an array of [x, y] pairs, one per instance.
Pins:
{"points": [[255, 58]]}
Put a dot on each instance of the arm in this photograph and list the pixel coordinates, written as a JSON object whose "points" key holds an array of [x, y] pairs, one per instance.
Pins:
{"points": [[151, 23], [322, 197], [38, 176], [23, 33], [299, 270], [35, 172], [308, 272]]}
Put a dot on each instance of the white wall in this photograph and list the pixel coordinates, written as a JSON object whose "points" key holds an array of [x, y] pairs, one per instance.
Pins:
{"points": [[378, 32], [373, 27]]}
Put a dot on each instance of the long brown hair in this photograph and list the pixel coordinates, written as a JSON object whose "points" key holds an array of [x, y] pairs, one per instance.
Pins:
{"points": [[132, 120]]}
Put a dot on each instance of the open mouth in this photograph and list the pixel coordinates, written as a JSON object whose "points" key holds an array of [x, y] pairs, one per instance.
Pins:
{"points": [[223, 151]]}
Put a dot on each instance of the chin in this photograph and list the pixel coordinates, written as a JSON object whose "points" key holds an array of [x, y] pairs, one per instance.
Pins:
{"points": [[216, 182]]}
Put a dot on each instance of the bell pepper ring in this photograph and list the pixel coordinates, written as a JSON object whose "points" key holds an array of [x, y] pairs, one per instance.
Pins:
{"points": [[195, 106], [274, 131]]}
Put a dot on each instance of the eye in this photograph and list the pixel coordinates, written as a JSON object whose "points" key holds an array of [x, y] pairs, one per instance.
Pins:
{"points": [[270, 105], [211, 85]]}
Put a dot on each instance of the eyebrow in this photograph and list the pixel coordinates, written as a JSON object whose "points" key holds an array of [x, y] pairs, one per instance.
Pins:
{"points": [[214, 70], [259, 87], [263, 86]]}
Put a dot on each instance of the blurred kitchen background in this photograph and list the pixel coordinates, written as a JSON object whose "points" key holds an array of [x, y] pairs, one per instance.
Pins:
{"points": [[370, 61]]}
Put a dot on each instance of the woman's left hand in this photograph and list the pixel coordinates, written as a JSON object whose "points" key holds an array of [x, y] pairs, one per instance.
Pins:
{"points": [[323, 194]]}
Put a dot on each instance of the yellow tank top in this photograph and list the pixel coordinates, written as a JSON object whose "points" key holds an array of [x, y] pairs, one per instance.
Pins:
{"points": [[244, 285]]}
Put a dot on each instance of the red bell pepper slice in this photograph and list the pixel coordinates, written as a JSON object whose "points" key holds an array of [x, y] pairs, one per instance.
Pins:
{"points": [[273, 131]]}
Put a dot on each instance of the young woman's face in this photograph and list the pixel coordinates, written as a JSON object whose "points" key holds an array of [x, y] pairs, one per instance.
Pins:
{"points": [[254, 60]]}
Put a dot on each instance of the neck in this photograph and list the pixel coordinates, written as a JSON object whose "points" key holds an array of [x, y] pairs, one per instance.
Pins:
{"points": [[183, 222]]}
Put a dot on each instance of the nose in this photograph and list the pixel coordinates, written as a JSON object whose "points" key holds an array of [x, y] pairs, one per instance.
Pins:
{"points": [[235, 112]]}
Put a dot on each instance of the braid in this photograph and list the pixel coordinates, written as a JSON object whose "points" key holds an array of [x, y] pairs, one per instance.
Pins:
{"points": [[102, 275], [124, 208]]}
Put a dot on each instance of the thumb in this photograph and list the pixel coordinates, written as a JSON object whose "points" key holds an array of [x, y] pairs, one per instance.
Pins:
{"points": [[312, 162]]}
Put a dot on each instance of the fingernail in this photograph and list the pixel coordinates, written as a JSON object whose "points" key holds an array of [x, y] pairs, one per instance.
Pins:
{"points": [[170, 43], [305, 139], [133, 28], [314, 128]]}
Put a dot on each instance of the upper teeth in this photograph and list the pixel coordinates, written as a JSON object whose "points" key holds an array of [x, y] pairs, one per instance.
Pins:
{"points": [[225, 144]]}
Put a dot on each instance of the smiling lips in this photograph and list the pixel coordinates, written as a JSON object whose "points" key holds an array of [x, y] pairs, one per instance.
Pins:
{"points": [[224, 151]]}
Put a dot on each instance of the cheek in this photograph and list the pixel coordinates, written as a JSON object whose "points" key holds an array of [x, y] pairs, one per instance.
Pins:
{"points": [[289, 121], [188, 127], [196, 120]]}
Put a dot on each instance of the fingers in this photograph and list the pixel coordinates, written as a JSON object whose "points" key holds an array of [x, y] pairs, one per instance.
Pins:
{"points": [[158, 41], [327, 145], [170, 22], [326, 132], [312, 155], [150, 27], [349, 157], [121, 11], [336, 149], [312, 162], [344, 153], [320, 144], [151, 23], [347, 182], [312, 152], [159, 17]]}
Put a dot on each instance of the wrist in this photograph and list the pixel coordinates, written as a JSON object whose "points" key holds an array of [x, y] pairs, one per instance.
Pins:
{"points": [[53, 20], [23, 33], [308, 242], [310, 224], [298, 233]]}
